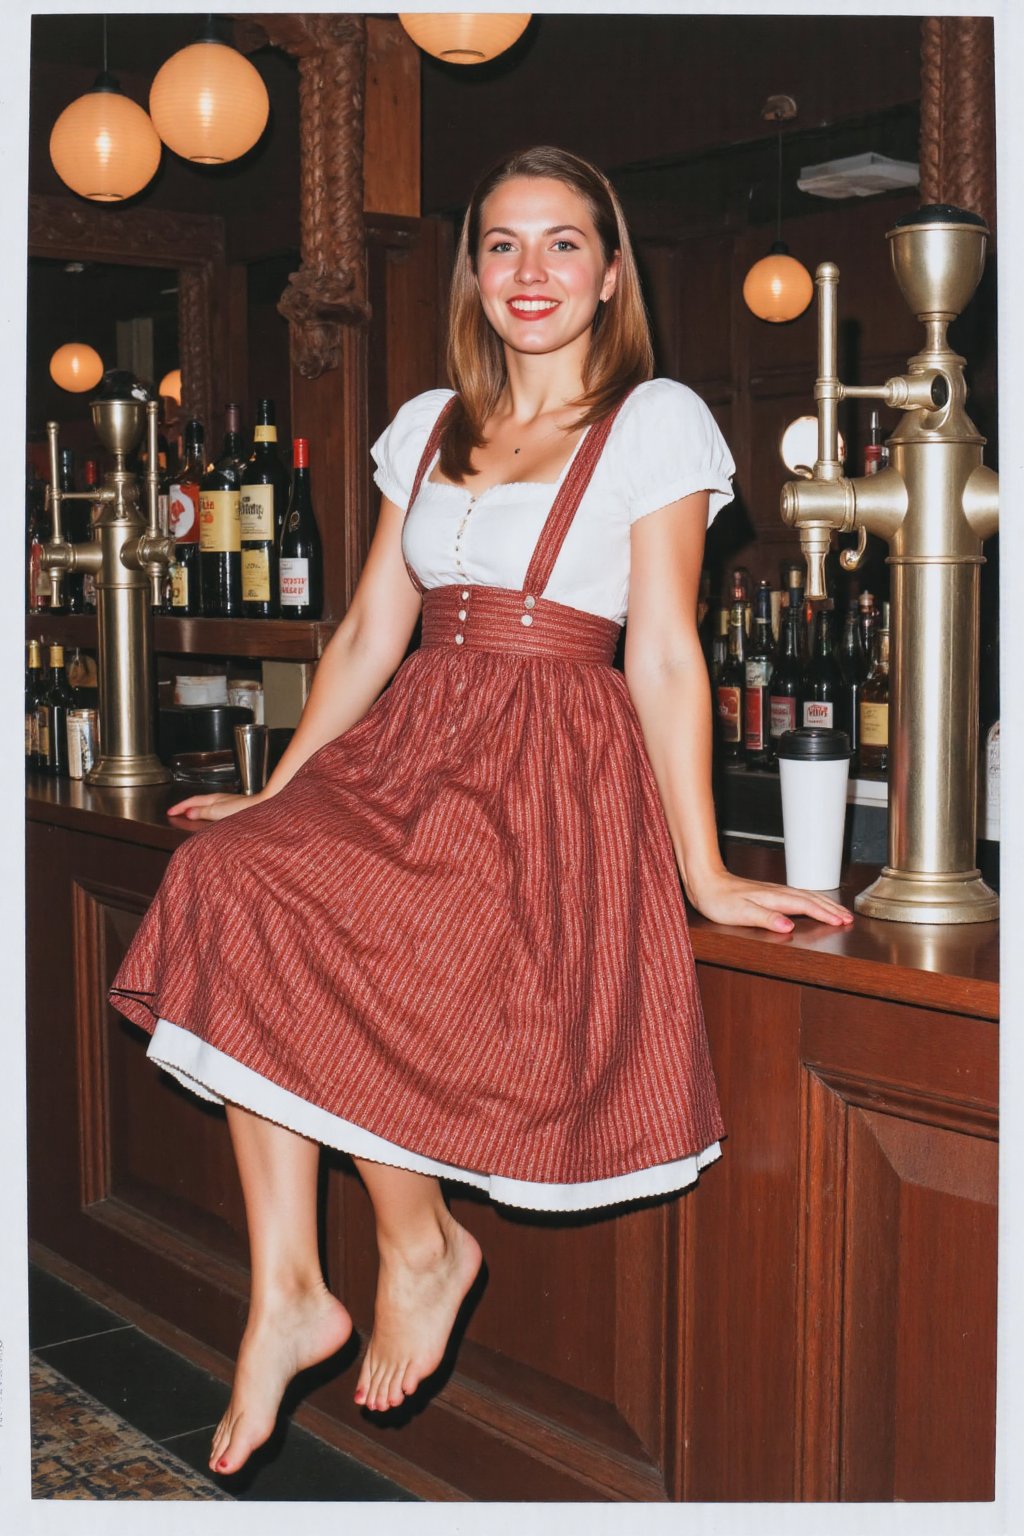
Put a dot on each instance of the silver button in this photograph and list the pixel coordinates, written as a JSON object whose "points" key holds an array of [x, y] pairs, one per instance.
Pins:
{"points": [[527, 618], [460, 639], [465, 595], [462, 613], [528, 602]]}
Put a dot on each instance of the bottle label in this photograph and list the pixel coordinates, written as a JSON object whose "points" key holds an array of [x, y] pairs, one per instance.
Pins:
{"points": [[874, 724], [43, 732], [257, 512], [179, 586], [295, 584], [255, 576], [183, 507], [754, 718], [264, 434], [782, 715], [220, 526], [730, 723], [818, 712]]}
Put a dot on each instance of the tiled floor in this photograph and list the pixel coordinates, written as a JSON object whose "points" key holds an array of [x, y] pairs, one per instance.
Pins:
{"points": [[177, 1404]]}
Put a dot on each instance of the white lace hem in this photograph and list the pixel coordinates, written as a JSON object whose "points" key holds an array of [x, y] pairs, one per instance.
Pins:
{"points": [[215, 1076]]}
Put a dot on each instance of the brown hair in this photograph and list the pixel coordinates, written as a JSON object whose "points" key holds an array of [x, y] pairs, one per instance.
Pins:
{"points": [[620, 353]]}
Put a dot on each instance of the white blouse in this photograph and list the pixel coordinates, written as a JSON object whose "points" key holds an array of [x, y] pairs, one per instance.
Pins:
{"points": [[664, 444]]}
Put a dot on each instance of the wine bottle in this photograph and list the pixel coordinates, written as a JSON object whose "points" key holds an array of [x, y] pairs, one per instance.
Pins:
{"points": [[786, 684], [38, 532], [33, 693], [301, 568], [264, 500], [184, 517], [52, 717], [220, 529], [729, 692], [853, 670], [874, 703], [822, 679], [757, 679]]}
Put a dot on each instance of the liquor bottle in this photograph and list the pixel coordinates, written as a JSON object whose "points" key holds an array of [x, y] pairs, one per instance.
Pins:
{"points": [[34, 687], [719, 644], [787, 677], [52, 717], [38, 531], [795, 593], [876, 454], [729, 692], [75, 523], [301, 568], [868, 620], [874, 703], [853, 670], [264, 500], [220, 530], [757, 679], [90, 480], [184, 517], [822, 678]]}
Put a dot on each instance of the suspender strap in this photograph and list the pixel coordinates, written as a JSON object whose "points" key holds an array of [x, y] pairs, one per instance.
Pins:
{"points": [[425, 460]]}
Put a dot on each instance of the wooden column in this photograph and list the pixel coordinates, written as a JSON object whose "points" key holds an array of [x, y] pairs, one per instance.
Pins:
{"points": [[958, 161]]}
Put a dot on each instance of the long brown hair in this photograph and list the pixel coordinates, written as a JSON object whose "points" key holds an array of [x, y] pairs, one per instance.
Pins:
{"points": [[620, 353]]}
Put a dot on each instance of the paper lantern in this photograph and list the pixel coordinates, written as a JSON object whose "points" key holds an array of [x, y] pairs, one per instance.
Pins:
{"points": [[103, 146], [463, 37], [778, 287], [208, 103], [76, 367]]}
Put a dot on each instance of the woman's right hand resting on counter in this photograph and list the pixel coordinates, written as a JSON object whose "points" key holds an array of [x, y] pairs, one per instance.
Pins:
{"points": [[214, 807]]}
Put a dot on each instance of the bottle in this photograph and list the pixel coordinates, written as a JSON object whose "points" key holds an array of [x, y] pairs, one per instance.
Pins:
{"points": [[874, 703], [729, 692], [90, 480], [876, 454], [52, 717], [822, 678], [264, 501], [38, 531], [301, 568], [853, 670], [34, 687], [184, 517], [787, 677], [795, 591], [719, 645], [868, 619], [741, 594], [220, 529], [757, 681]]}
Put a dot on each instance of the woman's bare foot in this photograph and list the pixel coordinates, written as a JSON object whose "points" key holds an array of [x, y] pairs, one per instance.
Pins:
{"points": [[419, 1292], [281, 1338]]}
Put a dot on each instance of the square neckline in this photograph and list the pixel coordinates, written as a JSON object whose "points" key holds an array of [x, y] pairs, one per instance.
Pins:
{"points": [[504, 485]]}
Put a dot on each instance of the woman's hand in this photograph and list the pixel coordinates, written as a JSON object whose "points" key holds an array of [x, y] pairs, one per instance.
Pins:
{"points": [[213, 807], [726, 898]]}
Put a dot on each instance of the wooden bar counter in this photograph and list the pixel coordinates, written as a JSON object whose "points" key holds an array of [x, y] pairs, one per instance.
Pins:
{"points": [[815, 1319]]}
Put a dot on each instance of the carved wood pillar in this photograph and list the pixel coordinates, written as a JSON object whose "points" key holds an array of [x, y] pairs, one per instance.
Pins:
{"points": [[958, 114]]}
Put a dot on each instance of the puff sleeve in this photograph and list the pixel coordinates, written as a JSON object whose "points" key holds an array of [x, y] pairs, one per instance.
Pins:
{"points": [[397, 451], [671, 447]]}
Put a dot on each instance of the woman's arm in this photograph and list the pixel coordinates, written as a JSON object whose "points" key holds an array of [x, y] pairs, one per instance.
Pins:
{"points": [[362, 654], [668, 683]]}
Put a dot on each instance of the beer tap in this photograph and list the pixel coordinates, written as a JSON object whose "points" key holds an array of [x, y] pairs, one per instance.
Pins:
{"points": [[934, 506], [128, 556]]}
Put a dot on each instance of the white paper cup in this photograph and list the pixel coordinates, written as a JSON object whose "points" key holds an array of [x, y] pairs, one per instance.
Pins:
{"points": [[814, 766]]}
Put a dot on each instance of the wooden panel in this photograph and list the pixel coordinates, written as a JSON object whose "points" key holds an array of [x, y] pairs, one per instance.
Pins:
{"points": [[391, 162]]}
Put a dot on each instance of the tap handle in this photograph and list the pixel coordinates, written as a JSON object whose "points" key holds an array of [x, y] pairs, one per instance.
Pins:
{"points": [[815, 542], [827, 390], [53, 489], [853, 559]]}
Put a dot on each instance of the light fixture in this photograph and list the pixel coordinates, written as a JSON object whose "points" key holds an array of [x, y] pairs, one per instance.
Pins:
{"points": [[463, 37], [778, 287], [208, 103], [76, 367], [798, 446], [170, 386], [103, 146]]}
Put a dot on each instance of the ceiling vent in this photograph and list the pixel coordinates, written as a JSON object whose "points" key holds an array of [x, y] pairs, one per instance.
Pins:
{"points": [[857, 176]]}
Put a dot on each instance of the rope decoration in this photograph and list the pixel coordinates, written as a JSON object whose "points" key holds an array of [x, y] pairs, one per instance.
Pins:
{"points": [[957, 152], [329, 290], [195, 342]]}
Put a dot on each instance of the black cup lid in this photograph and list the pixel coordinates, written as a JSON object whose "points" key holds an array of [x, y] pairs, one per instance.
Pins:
{"points": [[813, 744]]}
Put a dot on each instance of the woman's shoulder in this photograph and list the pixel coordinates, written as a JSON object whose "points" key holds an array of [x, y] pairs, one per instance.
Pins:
{"points": [[661, 399], [421, 411]]}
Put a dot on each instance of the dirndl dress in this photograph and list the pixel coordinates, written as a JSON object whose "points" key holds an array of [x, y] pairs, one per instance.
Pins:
{"points": [[456, 940]]}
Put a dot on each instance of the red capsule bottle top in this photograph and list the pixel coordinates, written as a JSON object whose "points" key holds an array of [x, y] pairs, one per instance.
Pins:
{"points": [[300, 453]]}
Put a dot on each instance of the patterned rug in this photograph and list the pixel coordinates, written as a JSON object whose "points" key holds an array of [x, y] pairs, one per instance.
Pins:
{"points": [[80, 1450]]}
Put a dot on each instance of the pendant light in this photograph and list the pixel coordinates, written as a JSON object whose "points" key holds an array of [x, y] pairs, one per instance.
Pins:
{"points": [[170, 386], [103, 146], [208, 103], [778, 287], [463, 37], [76, 367]]}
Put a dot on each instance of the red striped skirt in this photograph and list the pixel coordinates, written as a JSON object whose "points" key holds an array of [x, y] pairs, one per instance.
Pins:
{"points": [[460, 924]]}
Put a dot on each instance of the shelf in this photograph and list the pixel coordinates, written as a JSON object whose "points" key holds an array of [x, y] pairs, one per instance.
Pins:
{"points": [[279, 639]]}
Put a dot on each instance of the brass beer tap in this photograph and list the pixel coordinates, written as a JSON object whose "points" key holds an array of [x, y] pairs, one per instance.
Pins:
{"points": [[934, 505], [128, 556]]}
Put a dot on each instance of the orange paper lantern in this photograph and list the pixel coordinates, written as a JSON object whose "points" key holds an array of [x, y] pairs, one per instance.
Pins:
{"points": [[463, 37], [103, 146], [76, 367], [778, 287], [208, 103]]}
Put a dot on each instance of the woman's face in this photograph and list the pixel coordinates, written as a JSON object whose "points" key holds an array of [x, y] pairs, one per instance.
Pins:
{"points": [[540, 268]]}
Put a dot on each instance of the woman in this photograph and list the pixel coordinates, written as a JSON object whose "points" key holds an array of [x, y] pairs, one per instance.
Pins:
{"points": [[449, 936]]}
